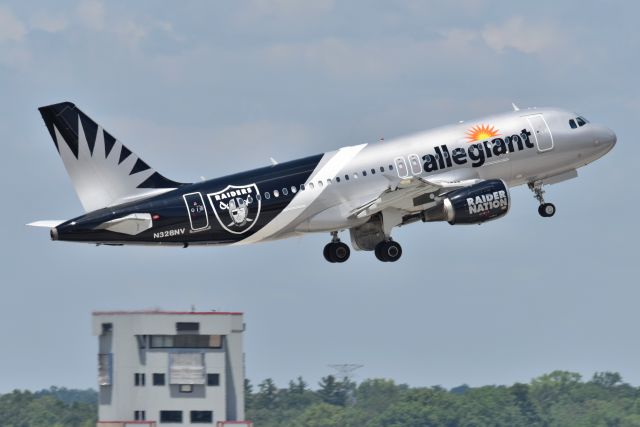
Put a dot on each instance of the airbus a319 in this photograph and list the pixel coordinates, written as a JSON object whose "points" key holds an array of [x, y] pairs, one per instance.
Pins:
{"points": [[460, 174]]}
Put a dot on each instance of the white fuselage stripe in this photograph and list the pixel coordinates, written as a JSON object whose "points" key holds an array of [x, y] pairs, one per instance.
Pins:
{"points": [[304, 199]]}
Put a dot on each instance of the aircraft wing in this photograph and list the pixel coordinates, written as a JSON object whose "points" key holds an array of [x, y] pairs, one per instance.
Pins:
{"points": [[402, 190]]}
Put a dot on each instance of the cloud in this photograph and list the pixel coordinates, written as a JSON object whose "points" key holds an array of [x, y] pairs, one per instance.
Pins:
{"points": [[516, 33], [11, 28], [131, 33], [378, 57], [47, 22], [92, 14], [287, 9]]}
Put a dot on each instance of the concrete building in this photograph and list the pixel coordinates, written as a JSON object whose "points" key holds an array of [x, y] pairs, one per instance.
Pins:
{"points": [[163, 367]]}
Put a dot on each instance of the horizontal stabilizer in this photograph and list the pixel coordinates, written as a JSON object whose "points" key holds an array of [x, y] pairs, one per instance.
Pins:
{"points": [[47, 223], [131, 224]]}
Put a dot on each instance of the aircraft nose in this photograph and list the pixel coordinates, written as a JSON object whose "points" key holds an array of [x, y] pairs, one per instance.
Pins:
{"points": [[605, 139]]}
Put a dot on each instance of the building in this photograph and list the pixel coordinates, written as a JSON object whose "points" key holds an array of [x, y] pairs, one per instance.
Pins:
{"points": [[163, 367]]}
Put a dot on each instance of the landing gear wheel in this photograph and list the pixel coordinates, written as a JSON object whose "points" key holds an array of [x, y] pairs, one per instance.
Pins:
{"points": [[547, 210], [336, 252], [388, 251], [325, 252]]}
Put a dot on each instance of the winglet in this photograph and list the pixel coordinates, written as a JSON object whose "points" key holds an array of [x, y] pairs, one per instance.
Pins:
{"points": [[515, 107]]}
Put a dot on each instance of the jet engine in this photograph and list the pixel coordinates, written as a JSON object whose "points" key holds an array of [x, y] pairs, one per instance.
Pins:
{"points": [[475, 204]]}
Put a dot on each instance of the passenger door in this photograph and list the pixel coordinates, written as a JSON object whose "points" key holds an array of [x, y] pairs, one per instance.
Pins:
{"points": [[541, 132], [197, 211]]}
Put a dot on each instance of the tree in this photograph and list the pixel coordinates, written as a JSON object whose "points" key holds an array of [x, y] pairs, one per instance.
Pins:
{"points": [[606, 379], [267, 393], [334, 392]]}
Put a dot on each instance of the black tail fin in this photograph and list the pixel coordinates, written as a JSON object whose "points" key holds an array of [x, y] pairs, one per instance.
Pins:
{"points": [[103, 171]]}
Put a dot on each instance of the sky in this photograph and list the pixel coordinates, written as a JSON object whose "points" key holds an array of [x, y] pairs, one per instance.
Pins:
{"points": [[204, 89]]}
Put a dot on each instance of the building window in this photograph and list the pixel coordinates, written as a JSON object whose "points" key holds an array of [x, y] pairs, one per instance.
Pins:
{"points": [[186, 341], [105, 365], [213, 380], [201, 416], [139, 416], [187, 368], [186, 388], [192, 327], [138, 380], [107, 328], [158, 379], [171, 416]]}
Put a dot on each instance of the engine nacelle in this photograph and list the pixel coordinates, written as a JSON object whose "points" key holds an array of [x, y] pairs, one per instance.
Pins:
{"points": [[475, 204]]}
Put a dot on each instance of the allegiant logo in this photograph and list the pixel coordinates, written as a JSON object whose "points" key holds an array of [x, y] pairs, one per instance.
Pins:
{"points": [[476, 153]]}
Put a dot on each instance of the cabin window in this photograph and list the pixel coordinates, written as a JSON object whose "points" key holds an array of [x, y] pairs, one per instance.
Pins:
{"points": [[381, 168], [301, 187], [572, 123], [401, 166], [346, 177], [276, 193], [328, 181], [285, 191], [294, 190], [364, 173], [310, 185], [373, 171], [320, 184], [414, 163], [390, 167], [337, 179], [355, 176], [267, 195]]}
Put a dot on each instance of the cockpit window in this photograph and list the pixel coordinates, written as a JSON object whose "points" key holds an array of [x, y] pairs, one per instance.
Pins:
{"points": [[573, 124], [581, 121]]}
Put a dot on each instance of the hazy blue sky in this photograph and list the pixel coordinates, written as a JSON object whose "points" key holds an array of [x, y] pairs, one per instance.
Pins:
{"points": [[208, 88]]}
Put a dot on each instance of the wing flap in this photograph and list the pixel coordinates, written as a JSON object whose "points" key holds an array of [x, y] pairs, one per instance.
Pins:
{"points": [[404, 189]]}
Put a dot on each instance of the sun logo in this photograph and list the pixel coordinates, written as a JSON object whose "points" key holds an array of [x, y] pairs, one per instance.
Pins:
{"points": [[481, 132]]}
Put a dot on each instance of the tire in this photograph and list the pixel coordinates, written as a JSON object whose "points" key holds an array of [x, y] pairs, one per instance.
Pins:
{"points": [[327, 252], [379, 251], [339, 252], [547, 210], [393, 251]]}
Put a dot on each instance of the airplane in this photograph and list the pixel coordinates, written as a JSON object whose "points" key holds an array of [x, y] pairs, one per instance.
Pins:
{"points": [[460, 173]]}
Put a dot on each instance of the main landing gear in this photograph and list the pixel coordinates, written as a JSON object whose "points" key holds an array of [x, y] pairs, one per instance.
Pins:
{"points": [[545, 210], [388, 251], [336, 251]]}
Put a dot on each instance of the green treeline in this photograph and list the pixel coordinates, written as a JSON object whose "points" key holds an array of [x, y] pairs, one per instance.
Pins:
{"points": [[59, 407], [560, 399]]}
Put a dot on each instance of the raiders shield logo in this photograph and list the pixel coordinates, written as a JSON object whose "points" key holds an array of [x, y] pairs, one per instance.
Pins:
{"points": [[236, 207]]}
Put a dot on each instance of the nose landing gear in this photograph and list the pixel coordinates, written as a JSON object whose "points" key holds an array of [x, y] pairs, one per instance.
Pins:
{"points": [[545, 210], [336, 251]]}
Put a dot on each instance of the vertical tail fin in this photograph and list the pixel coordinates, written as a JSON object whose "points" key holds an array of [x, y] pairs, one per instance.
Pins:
{"points": [[103, 171]]}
